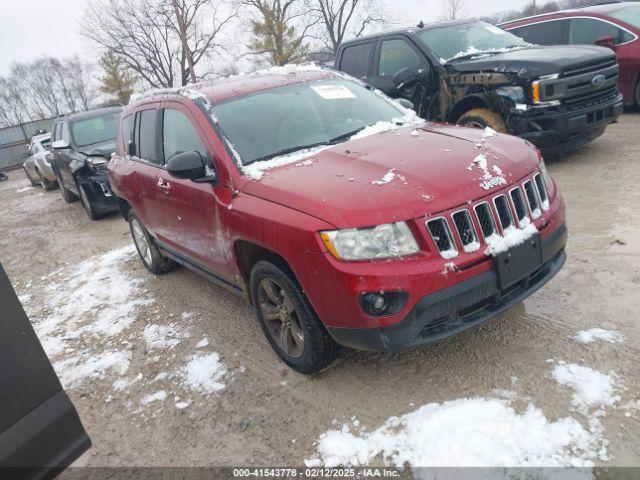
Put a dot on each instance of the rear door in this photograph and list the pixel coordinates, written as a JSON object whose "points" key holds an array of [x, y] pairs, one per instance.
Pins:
{"points": [[40, 431], [357, 59]]}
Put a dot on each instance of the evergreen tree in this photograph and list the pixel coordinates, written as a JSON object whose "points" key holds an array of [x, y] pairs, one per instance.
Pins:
{"points": [[117, 81]]}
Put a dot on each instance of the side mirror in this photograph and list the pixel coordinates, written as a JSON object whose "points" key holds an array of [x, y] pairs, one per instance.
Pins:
{"points": [[59, 145], [190, 166], [406, 103], [606, 41], [407, 77]]}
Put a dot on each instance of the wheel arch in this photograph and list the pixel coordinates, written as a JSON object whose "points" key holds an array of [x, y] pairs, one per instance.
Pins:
{"points": [[469, 103]]}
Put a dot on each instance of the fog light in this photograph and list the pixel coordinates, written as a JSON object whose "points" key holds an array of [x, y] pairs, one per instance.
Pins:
{"points": [[383, 304]]}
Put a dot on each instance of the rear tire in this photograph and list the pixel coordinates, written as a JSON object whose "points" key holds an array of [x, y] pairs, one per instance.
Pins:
{"points": [[288, 321], [31, 180], [482, 118], [149, 253], [46, 184]]}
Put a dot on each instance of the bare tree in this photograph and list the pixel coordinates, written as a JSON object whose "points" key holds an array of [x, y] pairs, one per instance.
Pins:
{"points": [[13, 109], [340, 18], [81, 81], [145, 34], [280, 28], [453, 9]]}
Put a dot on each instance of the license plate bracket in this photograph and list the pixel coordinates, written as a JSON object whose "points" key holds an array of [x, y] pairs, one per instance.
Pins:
{"points": [[518, 262]]}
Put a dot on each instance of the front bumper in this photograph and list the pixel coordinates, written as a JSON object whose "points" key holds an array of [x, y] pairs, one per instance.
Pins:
{"points": [[558, 130], [457, 308], [99, 191]]}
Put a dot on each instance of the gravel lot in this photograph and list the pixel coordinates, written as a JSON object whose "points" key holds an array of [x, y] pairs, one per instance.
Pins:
{"points": [[129, 358]]}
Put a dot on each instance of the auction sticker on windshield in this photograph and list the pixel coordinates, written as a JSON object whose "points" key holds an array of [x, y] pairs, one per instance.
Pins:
{"points": [[333, 92]]}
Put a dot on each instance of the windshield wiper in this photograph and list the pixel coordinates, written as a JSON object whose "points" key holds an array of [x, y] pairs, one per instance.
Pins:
{"points": [[286, 151], [487, 52]]}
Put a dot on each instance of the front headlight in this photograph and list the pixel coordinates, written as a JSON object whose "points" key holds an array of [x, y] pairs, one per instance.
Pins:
{"points": [[96, 162], [515, 94], [384, 241], [545, 174]]}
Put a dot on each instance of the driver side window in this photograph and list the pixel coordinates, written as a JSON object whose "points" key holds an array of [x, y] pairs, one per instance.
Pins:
{"points": [[179, 135], [396, 55]]}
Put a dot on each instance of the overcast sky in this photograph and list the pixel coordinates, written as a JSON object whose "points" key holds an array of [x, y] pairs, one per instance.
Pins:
{"points": [[33, 28]]}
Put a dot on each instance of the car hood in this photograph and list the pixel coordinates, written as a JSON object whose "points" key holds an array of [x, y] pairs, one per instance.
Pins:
{"points": [[396, 175], [536, 61], [104, 149]]}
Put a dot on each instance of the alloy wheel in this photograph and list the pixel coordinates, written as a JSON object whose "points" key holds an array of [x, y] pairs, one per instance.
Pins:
{"points": [[141, 241], [281, 317]]}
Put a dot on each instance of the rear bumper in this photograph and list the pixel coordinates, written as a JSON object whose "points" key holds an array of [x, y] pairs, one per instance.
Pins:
{"points": [[457, 308], [558, 130]]}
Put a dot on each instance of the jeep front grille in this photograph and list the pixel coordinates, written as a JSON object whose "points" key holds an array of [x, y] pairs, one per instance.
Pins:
{"points": [[513, 210], [518, 205], [485, 220], [504, 212], [466, 231], [442, 237], [532, 199]]}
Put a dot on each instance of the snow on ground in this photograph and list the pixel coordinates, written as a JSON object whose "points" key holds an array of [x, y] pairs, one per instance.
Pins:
{"points": [[599, 334], [592, 389], [24, 189], [158, 396], [87, 365], [204, 372], [164, 336], [465, 432], [512, 236]]}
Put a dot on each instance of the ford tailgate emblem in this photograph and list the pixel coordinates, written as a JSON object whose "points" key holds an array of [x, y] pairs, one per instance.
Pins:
{"points": [[598, 80]]}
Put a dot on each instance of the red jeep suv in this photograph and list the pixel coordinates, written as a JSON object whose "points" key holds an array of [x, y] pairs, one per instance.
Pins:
{"points": [[343, 218]]}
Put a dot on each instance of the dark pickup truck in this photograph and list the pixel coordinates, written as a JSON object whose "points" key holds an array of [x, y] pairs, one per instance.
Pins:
{"points": [[474, 73]]}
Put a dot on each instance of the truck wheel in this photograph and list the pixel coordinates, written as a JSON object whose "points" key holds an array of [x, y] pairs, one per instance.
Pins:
{"points": [[482, 118], [638, 94], [149, 253], [66, 194], [86, 202], [46, 184], [288, 320], [31, 180]]}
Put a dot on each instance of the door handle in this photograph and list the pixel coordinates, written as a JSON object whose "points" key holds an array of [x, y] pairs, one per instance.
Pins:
{"points": [[164, 186]]}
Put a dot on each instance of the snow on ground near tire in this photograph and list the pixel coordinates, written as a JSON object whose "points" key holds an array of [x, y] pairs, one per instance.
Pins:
{"points": [[87, 325], [592, 389], [484, 432], [599, 334], [204, 372], [465, 432]]}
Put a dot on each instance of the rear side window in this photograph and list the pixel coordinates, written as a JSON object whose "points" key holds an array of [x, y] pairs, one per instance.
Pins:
{"points": [[145, 135], [554, 32], [355, 59], [585, 31], [179, 135], [396, 55]]}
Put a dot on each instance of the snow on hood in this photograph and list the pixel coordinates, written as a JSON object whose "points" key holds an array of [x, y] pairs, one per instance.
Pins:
{"points": [[481, 53]]}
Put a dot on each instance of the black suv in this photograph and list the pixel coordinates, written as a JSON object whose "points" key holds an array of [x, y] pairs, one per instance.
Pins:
{"points": [[82, 144], [474, 73]]}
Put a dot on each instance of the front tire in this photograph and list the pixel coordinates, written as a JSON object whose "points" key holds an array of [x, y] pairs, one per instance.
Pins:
{"points": [[86, 202], [288, 321], [66, 194], [482, 118], [149, 253], [638, 95]]}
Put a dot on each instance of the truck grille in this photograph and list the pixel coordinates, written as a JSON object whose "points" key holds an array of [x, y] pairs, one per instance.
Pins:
{"points": [[588, 68], [523, 205]]}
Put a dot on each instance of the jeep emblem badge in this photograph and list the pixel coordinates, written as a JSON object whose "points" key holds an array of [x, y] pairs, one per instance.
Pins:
{"points": [[598, 80]]}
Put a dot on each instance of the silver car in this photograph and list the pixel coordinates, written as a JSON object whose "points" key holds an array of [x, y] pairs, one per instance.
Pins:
{"points": [[37, 166]]}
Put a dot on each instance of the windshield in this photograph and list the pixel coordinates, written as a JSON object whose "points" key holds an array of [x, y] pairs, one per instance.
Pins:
{"points": [[283, 120], [466, 39], [630, 15], [96, 129]]}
